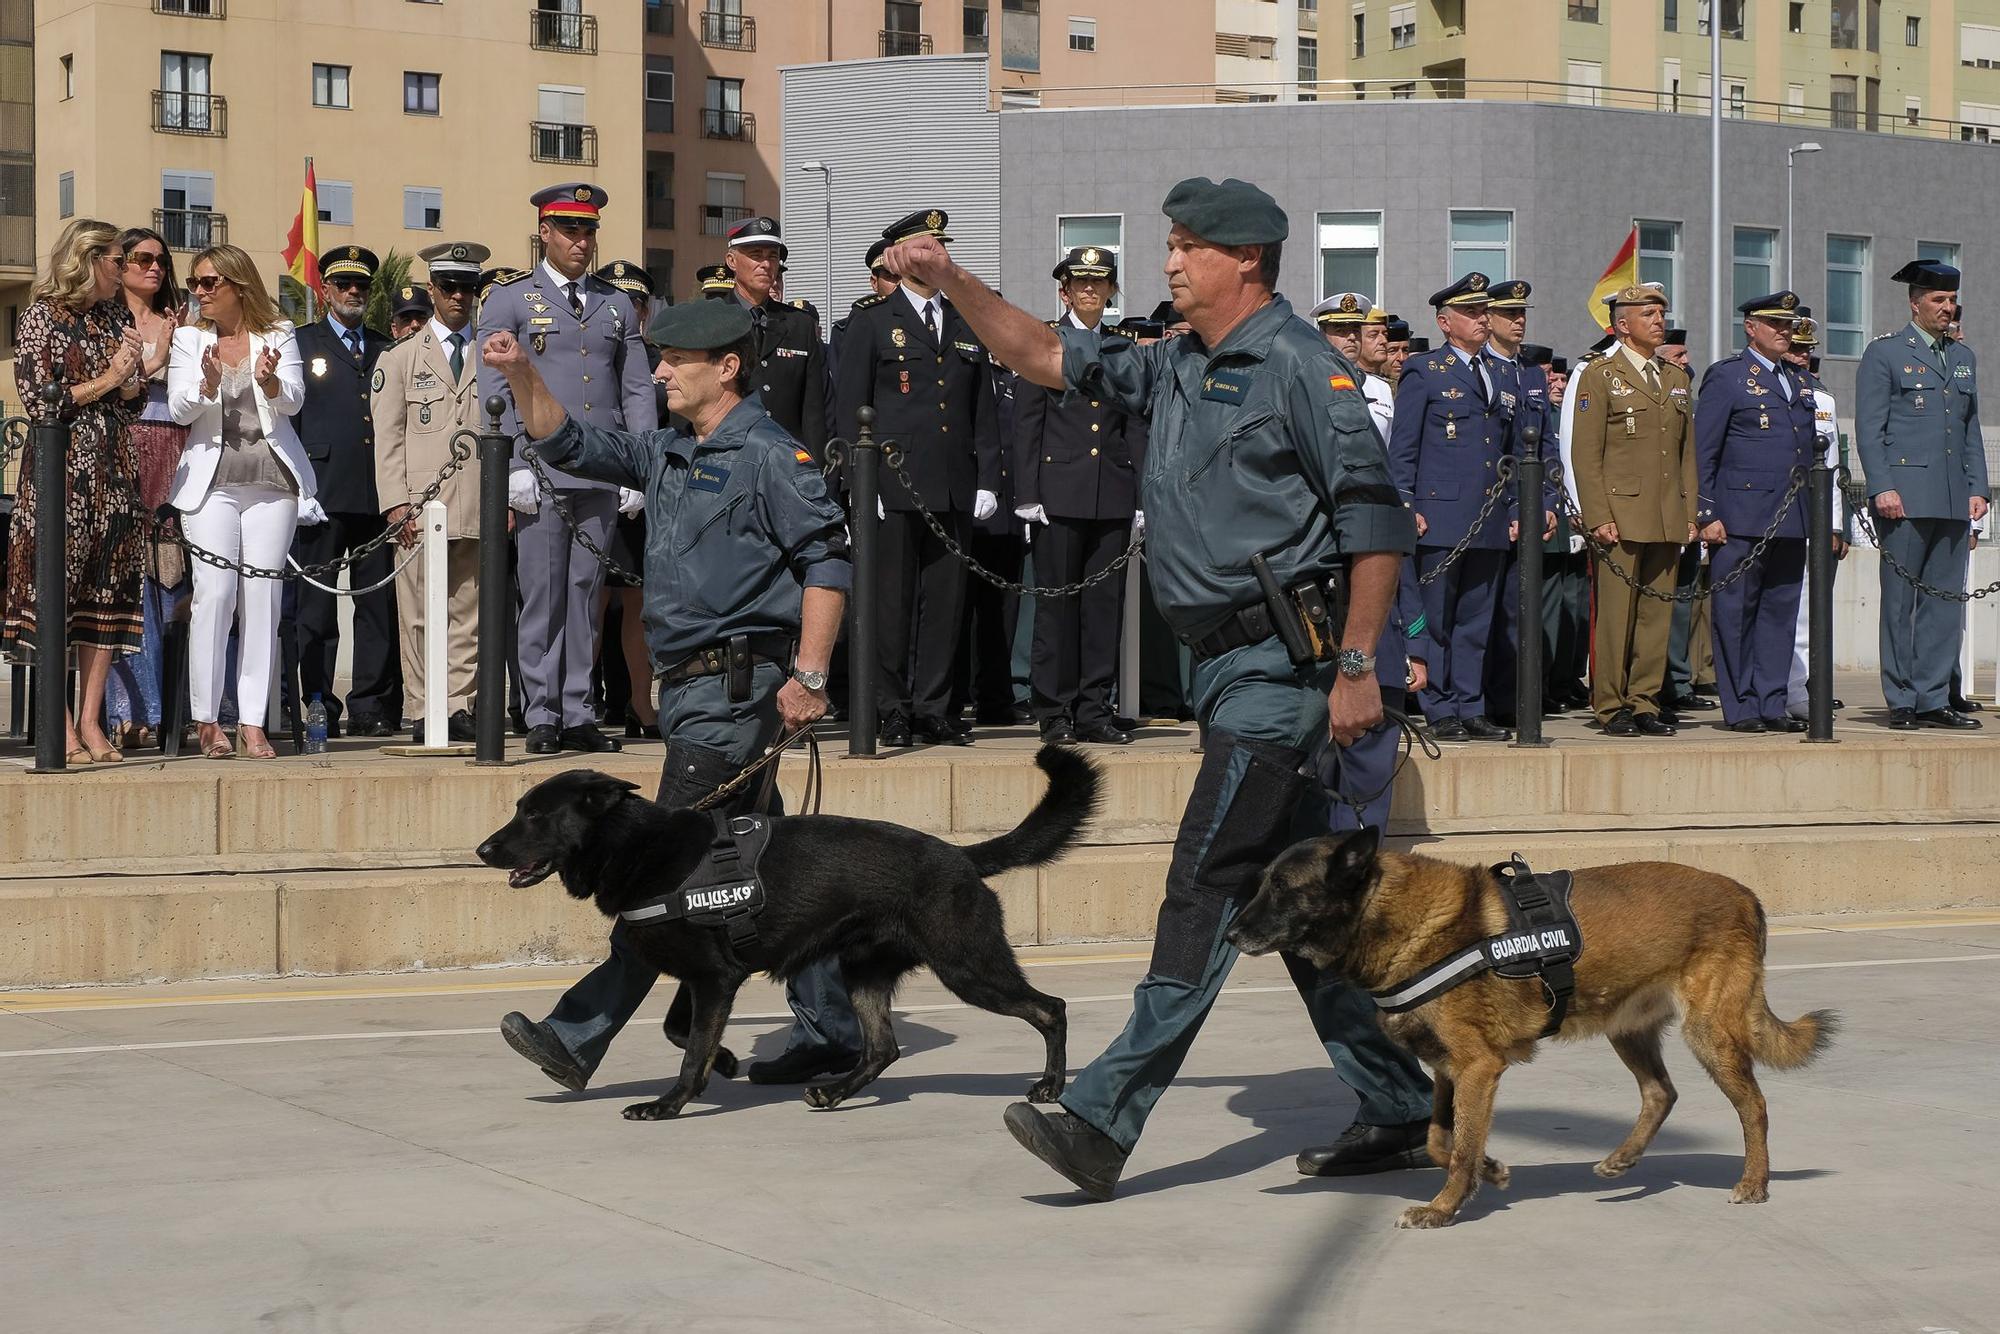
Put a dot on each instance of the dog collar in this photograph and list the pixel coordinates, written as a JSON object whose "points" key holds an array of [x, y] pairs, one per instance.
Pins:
{"points": [[723, 890]]}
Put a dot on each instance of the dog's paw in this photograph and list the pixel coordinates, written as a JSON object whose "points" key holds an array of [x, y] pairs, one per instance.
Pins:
{"points": [[1423, 1215], [1496, 1172], [1750, 1192], [725, 1064], [823, 1096], [1045, 1090], [1617, 1165], [659, 1110]]}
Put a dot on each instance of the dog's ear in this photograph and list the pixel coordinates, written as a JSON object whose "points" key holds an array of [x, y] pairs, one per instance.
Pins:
{"points": [[1354, 856], [599, 792]]}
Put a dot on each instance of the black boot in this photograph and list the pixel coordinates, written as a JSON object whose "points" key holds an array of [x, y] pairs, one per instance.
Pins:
{"points": [[539, 1043], [1365, 1149], [800, 1064], [1071, 1145]]}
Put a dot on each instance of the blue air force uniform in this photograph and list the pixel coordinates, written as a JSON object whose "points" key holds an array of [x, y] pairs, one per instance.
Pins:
{"points": [[1753, 424], [1523, 391]]}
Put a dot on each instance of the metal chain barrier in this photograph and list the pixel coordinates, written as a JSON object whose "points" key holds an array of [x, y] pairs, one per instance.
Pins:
{"points": [[1494, 495], [1602, 550], [1863, 517], [568, 516]]}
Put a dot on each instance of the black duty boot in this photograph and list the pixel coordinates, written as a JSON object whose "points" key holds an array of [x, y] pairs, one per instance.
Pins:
{"points": [[1071, 1145], [1364, 1149], [539, 1043], [800, 1064]]}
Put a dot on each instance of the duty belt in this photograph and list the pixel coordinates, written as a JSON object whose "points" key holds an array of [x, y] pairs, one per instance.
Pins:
{"points": [[1542, 941], [714, 659], [1257, 622]]}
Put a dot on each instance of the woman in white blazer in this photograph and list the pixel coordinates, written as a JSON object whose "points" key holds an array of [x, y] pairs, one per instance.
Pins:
{"points": [[235, 381]]}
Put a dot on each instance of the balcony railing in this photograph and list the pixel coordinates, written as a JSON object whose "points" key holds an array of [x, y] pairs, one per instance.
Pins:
{"points": [[739, 125], [191, 228], [552, 142], [193, 9], [729, 30], [660, 215], [550, 30], [717, 219], [190, 113], [897, 43]]}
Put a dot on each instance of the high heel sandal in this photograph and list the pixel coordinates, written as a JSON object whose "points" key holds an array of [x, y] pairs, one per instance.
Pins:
{"points": [[255, 750]]}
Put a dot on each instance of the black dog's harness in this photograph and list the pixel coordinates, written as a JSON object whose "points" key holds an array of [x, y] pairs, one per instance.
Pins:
{"points": [[724, 889], [1541, 941]]}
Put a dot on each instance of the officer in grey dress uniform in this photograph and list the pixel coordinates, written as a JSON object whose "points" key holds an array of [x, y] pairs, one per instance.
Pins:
{"points": [[1916, 423], [585, 341]]}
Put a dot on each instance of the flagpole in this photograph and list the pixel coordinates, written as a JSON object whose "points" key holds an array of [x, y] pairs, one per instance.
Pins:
{"points": [[311, 316], [1715, 184]]}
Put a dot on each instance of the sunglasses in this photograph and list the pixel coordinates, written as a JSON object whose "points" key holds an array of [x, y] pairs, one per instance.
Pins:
{"points": [[145, 259], [351, 284], [207, 282], [455, 285]]}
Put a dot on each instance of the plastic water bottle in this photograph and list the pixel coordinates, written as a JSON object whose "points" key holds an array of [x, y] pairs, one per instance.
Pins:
{"points": [[315, 727]]}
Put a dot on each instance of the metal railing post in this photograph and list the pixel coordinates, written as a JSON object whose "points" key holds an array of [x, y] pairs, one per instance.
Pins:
{"points": [[49, 439], [1819, 610], [490, 708], [1528, 471], [864, 490]]}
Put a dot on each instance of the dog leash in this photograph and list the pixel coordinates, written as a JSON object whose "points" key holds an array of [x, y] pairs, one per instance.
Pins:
{"points": [[1413, 737], [767, 763]]}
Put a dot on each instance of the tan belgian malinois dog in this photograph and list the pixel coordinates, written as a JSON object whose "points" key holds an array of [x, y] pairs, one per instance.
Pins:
{"points": [[1658, 939]]}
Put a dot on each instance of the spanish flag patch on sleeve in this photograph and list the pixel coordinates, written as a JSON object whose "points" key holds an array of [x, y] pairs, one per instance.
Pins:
{"points": [[802, 456], [1339, 382]]}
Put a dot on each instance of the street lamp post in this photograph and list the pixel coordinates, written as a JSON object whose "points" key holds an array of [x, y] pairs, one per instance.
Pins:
{"points": [[826, 176], [1791, 154]]}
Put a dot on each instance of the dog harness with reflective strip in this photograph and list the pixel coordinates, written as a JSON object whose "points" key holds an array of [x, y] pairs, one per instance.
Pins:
{"points": [[724, 889], [1541, 941]]}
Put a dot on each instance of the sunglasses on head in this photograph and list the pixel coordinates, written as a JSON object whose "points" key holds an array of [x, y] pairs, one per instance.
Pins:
{"points": [[207, 282]]}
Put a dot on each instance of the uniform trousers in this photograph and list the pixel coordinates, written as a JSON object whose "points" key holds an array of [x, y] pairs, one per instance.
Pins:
{"points": [[920, 591], [461, 629], [1629, 646], [1075, 661], [560, 580], [1458, 610], [1920, 633], [1754, 620], [252, 525], [1565, 621], [1259, 715], [983, 672], [376, 690]]}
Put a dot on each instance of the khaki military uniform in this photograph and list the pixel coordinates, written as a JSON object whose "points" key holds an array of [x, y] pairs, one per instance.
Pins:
{"points": [[1634, 460]]}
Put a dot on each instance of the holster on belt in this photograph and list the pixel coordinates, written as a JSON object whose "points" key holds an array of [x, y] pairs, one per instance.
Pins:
{"points": [[1303, 616], [739, 668]]}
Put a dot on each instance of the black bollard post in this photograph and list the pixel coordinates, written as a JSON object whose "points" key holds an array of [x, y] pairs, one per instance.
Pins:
{"points": [[49, 438], [1819, 612], [1528, 473], [864, 489], [490, 705]]}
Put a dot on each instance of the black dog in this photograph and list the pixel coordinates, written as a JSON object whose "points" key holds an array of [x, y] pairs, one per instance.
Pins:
{"points": [[881, 898]]}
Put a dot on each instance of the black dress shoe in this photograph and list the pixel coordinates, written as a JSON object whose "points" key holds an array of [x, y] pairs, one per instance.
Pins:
{"points": [[367, 727], [1448, 729], [800, 1064], [1784, 724], [1621, 724], [1058, 732], [1903, 720], [1945, 718], [1748, 726], [544, 739], [539, 1043], [1651, 724], [1956, 705], [1071, 1145], [1365, 1149], [590, 741], [462, 727], [1668, 716], [895, 730], [1104, 734], [1481, 729], [939, 732]]}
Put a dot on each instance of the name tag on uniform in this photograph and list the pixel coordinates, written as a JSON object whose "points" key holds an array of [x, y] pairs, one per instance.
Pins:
{"points": [[1962, 372], [970, 349], [1225, 386], [541, 319], [792, 352], [707, 477]]}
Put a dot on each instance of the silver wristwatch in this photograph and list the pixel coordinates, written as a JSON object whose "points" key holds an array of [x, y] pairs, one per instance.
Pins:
{"points": [[813, 681], [1354, 664]]}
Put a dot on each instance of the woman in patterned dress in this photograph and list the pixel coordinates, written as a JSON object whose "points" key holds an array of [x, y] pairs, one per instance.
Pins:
{"points": [[77, 335]]}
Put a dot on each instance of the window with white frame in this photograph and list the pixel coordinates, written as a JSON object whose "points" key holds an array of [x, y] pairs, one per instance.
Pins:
{"points": [[66, 195], [1586, 82], [336, 203], [1350, 254], [1846, 322], [330, 86], [423, 208], [1913, 110], [1754, 268], [1082, 34], [1944, 252], [1402, 26], [1660, 257], [1106, 231], [1482, 239], [1979, 45], [1670, 85], [1978, 122]]}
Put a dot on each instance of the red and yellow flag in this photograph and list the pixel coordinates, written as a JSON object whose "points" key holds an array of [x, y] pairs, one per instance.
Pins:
{"points": [[1623, 273], [302, 242]]}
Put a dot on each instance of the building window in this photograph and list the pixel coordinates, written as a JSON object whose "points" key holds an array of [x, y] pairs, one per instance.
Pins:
{"points": [[1738, 95], [1021, 35], [1402, 92], [1846, 321], [1670, 85], [1846, 24], [1660, 257], [660, 268], [660, 94], [659, 18], [1402, 26], [1913, 31], [423, 208], [1671, 16], [977, 27], [1082, 34], [1944, 252], [336, 203], [1360, 34], [1977, 122], [420, 94], [68, 77], [1843, 94], [1583, 11], [330, 86], [1979, 46], [659, 191], [1350, 253], [1106, 231], [725, 204], [1795, 98], [184, 100], [1755, 268], [1913, 111], [1482, 239], [17, 190], [1874, 24], [1586, 83], [562, 130], [66, 195], [1795, 20], [187, 218], [1730, 15], [1308, 68]]}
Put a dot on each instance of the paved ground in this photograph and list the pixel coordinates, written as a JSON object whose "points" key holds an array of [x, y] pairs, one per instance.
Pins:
{"points": [[365, 1154]]}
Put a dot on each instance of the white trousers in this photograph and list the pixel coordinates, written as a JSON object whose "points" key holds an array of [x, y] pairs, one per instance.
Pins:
{"points": [[252, 525]]}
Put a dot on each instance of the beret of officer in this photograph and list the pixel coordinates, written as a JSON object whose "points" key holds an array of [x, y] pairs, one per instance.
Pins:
{"points": [[1639, 294], [1771, 306], [454, 259], [412, 300], [1510, 295], [575, 202], [1471, 290], [626, 276], [874, 259], [924, 222], [1232, 213], [1534, 354], [1086, 261], [1932, 275], [1399, 329], [1805, 333], [699, 326], [353, 261]]}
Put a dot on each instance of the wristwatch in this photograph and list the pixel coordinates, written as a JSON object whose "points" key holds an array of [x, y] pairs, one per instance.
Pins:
{"points": [[1354, 664], [813, 681]]}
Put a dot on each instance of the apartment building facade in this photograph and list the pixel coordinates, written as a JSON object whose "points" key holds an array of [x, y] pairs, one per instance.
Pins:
{"points": [[17, 180]]}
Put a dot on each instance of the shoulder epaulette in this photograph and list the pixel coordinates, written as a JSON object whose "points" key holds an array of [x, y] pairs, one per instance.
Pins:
{"points": [[510, 279], [800, 302], [1879, 337], [873, 299], [1055, 324]]}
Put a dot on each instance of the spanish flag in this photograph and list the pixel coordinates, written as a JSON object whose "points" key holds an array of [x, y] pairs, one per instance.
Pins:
{"points": [[302, 242], [1623, 273]]}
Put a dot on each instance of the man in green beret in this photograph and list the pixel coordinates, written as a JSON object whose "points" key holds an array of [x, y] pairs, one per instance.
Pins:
{"points": [[740, 616], [1262, 456]]}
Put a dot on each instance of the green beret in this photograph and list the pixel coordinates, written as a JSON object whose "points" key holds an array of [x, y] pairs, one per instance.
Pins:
{"points": [[1232, 213], [699, 326]]}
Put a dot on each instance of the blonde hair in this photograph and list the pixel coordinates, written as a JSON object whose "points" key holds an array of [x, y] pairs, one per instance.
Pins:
{"points": [[260, 313], [69, 280]]}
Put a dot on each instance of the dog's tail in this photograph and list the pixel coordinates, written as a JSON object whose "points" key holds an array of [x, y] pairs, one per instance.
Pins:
{"points": [[1073, 796], [1786, 1046]]}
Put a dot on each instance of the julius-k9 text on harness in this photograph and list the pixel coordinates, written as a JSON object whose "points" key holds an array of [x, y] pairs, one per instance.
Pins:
{"points": [[1541, 941], [723, 890]]}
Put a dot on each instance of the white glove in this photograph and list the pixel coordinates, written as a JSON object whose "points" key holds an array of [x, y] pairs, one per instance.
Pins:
{"points": [[1031, 514], [522, 494], [630, 501], [310, 512], [984, 505], [1576, 544], [881, 511], [1138, 523]]}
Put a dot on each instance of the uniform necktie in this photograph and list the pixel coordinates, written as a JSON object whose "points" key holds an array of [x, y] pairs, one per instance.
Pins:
{"points": [[930, 319], [353, 337], [1480, 374], [1653, 378], [457, 342], [575, 299]]}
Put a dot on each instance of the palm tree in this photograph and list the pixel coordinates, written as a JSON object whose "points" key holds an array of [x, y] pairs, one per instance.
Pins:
{"points": [[389, 281]]}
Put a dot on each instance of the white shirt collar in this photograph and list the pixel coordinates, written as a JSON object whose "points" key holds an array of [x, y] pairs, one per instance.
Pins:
{"points": [[562, 283], [934, 301], [1070, 316], [1497, 355], [1467, 357], [1631, 355], [442, 334]]}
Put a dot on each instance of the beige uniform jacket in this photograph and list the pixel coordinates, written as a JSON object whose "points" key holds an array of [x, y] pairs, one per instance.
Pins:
{"points": [[417, 409], [1633, 451]]}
